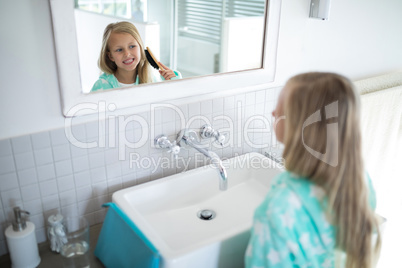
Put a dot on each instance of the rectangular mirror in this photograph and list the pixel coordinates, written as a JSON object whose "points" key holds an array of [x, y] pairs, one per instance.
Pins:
{"points": [[217, 46]]}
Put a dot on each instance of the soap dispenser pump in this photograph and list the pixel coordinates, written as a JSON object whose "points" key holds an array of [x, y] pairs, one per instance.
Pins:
{"points": [[21, 241]]}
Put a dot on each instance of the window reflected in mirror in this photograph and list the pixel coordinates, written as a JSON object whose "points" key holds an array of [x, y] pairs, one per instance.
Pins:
{"points": [[192, 37]]}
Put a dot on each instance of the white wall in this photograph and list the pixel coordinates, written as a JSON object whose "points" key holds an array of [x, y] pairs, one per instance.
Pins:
{"points": [[160, 11], [362, 38], [193, 50], [30, 99], [245, 33]]}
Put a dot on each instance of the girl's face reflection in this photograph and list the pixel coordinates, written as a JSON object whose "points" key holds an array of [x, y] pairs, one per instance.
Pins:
{"points": [[125, 51]]}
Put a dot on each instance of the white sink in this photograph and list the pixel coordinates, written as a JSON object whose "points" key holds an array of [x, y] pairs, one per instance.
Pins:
{"points": [[166, 212]]}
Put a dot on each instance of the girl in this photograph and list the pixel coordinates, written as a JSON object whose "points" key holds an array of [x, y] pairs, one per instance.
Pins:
{"points": [[319, 212], [123, 61]]}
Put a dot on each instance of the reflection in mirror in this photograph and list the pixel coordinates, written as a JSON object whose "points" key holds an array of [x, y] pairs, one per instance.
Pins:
{"points": [[194, 37]]}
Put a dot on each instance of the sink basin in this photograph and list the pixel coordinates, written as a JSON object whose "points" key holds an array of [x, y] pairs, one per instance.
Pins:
{"points": [[165, 210]]}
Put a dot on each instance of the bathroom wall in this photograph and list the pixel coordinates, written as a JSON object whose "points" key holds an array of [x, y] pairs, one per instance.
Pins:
{"points": [[361, 39], [74, 170], [43, 172]]}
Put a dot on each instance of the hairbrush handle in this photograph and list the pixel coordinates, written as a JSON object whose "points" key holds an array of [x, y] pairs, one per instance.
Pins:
{"points": [[156, 61]]}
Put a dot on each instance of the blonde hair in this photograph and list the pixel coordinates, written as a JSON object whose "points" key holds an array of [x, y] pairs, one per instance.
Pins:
{"points": [[108, 66], [337, 165]]}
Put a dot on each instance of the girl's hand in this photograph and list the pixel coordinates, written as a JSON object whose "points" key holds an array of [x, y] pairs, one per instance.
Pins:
{"points": [[167, 73]]}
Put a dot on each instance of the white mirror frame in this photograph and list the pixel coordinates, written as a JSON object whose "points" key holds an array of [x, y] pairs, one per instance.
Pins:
{"points": [[70, 81]]}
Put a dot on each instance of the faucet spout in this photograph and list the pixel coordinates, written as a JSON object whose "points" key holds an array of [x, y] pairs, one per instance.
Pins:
{"points": [[186, 138], [217, 162]]}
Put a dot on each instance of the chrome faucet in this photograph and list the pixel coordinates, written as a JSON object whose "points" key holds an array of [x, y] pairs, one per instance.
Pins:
{"points": [[162, 142], [187, 138]]}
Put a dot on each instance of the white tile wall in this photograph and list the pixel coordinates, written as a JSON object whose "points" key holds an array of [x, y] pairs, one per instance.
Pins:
{"points": [[44, 173]]}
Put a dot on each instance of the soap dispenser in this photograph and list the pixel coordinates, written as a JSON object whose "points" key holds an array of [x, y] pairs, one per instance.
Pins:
{"points": [[21, 241]]}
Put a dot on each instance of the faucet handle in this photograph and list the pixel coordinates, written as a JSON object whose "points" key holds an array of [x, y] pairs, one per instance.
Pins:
{"points": [[208, 132], [162, 142], [174, 149]]}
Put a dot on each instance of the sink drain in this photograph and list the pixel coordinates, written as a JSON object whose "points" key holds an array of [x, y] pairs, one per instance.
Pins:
{"points": [[206, 214]]}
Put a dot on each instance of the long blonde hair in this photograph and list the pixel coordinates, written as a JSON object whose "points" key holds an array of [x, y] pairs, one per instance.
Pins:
{"points": [[108, 66], [323, 142]]}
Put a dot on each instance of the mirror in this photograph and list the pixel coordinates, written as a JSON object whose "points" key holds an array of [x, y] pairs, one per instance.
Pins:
{"points": [[194, 38], [216, 79]]}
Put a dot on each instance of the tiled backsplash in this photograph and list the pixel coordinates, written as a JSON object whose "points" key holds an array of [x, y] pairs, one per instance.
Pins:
{"points": [[47, 172]]}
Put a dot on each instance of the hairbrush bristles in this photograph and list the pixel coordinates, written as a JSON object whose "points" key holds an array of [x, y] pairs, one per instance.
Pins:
{"points": [[152, 60]]}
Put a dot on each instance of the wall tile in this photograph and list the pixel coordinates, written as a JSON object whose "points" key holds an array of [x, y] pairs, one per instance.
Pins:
{"points": [[51, 205], [80, 163], [96, 159], [168, 114], [33, 206], [98, 175], [194, 109], [30, 192], [129, 180], [240, 99], [112, 155], [250, 98], [99, 215], [8, 181], [68, 198], [79, 132], [156, 115], [58, 137], [90, 218], [206, 107], [82, 179], [11, 198], [7, 164], [24, 160], [48, 188], [128, 166], [92, 128], [37, 220], [113, 171], [63, 168], [46, 172], [260, 96], [259, 110], [229, 103], [84, 193], [5, 148], [65, 183], [78, 151], [61, 152], [181, 112], [114, 185], [27, 176], [70, 210], [43, 156], [168, 129], [40, 140], [99, 189], [218, 106], [21, 144], [87, 206]]}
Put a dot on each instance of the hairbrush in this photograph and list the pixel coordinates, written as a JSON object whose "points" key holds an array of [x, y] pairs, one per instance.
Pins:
{"points": [[152, 60]]}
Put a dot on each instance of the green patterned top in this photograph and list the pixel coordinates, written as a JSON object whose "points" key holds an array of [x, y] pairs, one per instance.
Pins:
{"points": [[290, 227], [109, 81]]}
